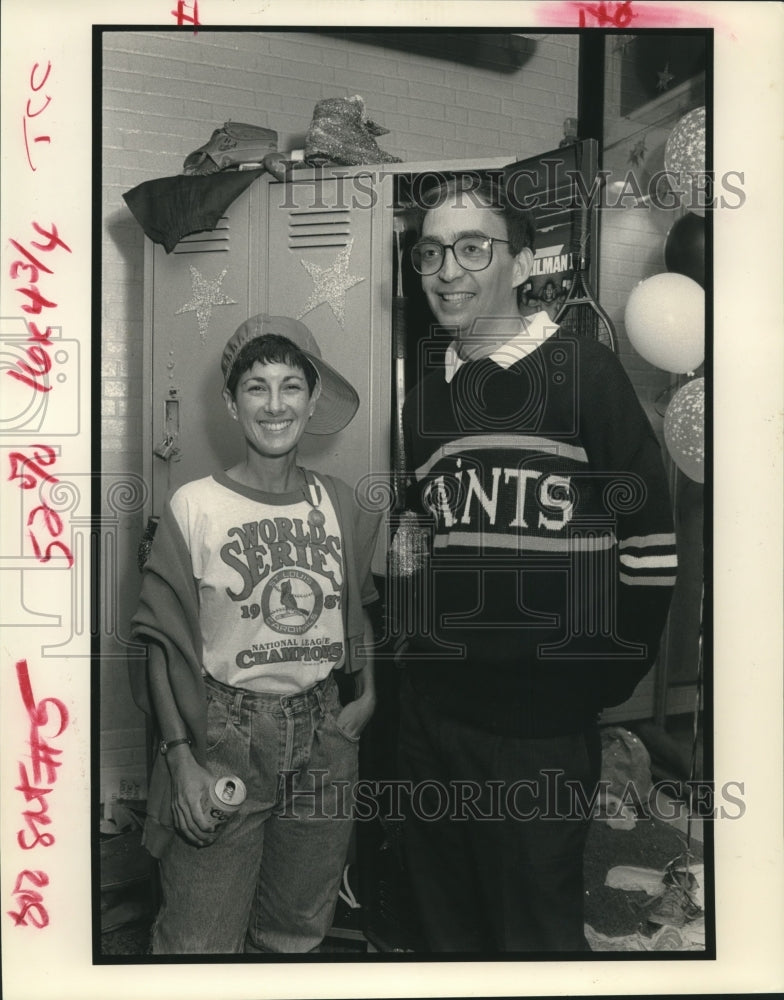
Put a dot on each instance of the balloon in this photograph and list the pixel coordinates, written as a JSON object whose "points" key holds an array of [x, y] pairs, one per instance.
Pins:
{"points": [[684, 248], [685, 147], [684, 429], [665, 321], [684, 156]]}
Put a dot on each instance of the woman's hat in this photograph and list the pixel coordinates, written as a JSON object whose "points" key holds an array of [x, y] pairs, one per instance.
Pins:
{"points": [[338, 401]]}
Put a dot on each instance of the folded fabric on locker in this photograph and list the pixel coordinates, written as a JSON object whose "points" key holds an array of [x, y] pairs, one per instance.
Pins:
{"points": [[170, 208]]}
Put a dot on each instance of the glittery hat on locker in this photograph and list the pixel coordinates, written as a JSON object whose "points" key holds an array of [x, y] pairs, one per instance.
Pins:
{"points": [[338, 401]]}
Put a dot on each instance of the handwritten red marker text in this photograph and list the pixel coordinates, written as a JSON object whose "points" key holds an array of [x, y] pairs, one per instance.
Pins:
{"points": [[38, 353], [35, 785], [605, 15], [185, 18], [28, 470], [34, 108]]}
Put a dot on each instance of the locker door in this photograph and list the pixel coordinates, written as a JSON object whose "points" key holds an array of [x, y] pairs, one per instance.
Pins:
{"points": [[325, 266], [201, 292]]}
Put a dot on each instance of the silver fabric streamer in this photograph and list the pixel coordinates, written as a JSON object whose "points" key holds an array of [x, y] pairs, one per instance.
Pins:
{"points": [[410, 547]]}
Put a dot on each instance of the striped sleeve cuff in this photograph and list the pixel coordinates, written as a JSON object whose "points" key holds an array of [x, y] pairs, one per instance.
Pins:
{"points": [[648, 560]]}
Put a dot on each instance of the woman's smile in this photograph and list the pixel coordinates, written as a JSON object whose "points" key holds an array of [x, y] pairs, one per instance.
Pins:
{"points": [[276, 425], [272, 404]]}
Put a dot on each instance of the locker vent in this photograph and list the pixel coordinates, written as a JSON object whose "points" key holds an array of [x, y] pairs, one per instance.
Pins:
{"points": [[319, 227], [216, 240]]}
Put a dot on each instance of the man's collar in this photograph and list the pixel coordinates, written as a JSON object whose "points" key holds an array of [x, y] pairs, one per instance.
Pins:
{"points": [[534, 330]]}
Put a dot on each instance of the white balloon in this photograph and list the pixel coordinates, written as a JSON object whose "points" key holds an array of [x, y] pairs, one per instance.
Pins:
{"points": [[665, 321]]}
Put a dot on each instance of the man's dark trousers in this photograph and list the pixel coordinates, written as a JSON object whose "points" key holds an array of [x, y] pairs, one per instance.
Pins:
{"points": [[494, 838]]}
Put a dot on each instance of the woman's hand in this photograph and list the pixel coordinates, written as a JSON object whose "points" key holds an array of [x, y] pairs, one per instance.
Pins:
{"points": [[190, 785], [356, 714]]}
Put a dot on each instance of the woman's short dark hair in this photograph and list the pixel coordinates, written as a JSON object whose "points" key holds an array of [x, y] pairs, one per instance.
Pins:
{"points": [[271, 349], [485, 191]]}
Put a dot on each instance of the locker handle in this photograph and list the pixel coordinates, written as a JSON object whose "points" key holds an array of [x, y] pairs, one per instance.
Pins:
{"points": [[169, 448], [171, 414]]}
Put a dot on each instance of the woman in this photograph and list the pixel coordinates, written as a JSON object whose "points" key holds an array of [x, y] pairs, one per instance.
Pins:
{"points": [[254, 593]]}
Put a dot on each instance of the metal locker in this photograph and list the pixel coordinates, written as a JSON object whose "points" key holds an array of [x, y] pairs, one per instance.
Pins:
{"points": [[195, 297], [324, 266]]}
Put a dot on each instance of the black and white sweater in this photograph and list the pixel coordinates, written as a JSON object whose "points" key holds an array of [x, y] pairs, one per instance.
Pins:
{"points": [[553, 554]]}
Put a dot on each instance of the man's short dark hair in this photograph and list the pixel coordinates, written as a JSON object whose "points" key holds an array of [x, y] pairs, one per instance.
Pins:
{"points": [[484, 191], [268, 349]]}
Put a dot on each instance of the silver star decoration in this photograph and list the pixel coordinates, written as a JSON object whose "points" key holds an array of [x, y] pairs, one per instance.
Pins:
{"points": [[330, 284], [206, 294], [665, 78]]}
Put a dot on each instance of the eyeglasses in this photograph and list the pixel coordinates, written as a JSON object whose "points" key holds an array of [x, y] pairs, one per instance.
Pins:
{"points": [[474, 253]]}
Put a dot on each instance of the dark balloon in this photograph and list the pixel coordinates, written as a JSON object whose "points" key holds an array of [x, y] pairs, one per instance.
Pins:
{"points": [[684, 248]]}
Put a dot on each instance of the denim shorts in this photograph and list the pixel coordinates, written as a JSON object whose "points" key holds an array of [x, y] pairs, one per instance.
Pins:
{"points": [[270, 880]]}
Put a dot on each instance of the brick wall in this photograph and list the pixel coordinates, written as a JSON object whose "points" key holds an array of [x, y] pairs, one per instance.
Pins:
{"points": [[633, 236], [632, 249], [165, 92]]}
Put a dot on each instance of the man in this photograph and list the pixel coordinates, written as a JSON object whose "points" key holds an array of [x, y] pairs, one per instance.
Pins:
{"points": [[551, 299], [551, 567]]}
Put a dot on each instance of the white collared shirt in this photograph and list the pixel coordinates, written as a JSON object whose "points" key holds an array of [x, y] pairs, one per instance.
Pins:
{"points": [[535, 330]]}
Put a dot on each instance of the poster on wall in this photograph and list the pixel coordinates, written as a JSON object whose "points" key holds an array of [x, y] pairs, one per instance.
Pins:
{"points": [[104, 112]]}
